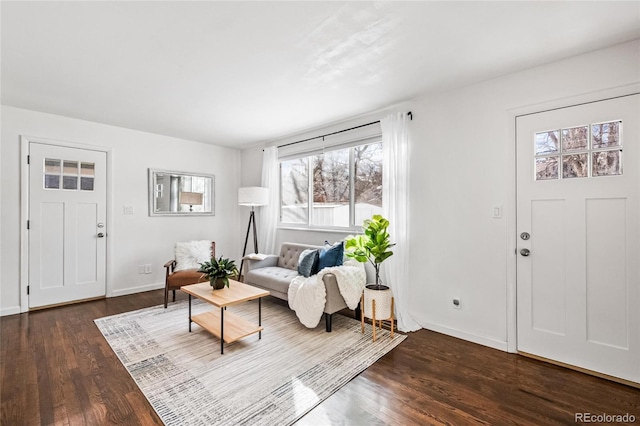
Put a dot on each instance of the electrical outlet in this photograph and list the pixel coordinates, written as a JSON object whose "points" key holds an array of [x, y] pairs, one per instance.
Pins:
{"points": [[128, 210], [457, 303], [141, 269], [147, 268]]}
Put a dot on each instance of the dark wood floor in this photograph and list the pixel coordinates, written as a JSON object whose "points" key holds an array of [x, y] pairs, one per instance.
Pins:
{"points": [[56, 368]]}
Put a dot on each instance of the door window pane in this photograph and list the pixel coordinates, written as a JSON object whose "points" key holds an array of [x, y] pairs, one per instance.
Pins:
{"points": [[575, 165], [86, 183], [52, 166], [547, 142], [52, 181], [70, 167], [546, 168], [575, 138], [87, 169], [70, 182], [294, 178], [331, 188], [607, 163], [606, 134]]}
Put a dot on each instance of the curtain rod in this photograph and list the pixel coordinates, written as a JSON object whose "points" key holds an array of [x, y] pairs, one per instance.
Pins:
{"points": [[339, 131]]}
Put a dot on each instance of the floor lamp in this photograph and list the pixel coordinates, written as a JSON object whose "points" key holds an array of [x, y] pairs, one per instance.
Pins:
{"points": [[252, 196]]}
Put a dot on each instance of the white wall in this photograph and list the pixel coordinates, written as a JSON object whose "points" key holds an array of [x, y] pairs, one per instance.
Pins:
{"points": [[132, 239], [462, 166]]}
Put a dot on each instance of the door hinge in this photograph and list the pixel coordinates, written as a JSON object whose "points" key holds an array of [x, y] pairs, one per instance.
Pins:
{"points": [[28, 289], [28, 223], [28, 159]]}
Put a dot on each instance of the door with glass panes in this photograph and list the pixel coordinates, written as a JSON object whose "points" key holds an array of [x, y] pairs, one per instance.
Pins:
{"points": [[67, 224], [578, 279]]}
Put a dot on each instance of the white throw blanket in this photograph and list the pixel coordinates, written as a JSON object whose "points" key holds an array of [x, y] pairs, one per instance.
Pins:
{"points": [[307, 296]]}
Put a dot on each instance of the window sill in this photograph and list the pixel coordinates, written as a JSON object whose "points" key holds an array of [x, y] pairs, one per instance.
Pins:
{"points": [[327, 230]]}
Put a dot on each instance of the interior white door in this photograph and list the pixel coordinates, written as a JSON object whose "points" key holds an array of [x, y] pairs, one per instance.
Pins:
{"points": [[67, 224], [578, 280]]}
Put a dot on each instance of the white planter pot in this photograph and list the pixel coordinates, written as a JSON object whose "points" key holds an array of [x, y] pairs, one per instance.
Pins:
{"points": [[383, 303]]}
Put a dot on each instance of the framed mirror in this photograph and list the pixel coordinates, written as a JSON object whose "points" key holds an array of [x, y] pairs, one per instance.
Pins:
{"points": [[174, 193]]}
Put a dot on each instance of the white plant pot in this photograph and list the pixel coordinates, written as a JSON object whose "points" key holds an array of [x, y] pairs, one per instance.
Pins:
{"points": [[383, 303]]}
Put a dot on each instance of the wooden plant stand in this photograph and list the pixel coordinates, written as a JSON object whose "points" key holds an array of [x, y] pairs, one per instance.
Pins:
{"points": [[374, 319]]}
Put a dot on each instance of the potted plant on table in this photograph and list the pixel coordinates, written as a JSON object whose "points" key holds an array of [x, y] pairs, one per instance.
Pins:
{"points": [[218, 271], [373, 247]]}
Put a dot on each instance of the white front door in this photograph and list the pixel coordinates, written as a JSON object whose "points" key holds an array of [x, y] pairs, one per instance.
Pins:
{"points": [[578, 279], [67, 224]]}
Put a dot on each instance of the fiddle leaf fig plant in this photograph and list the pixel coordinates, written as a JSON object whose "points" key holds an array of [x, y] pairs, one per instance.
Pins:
{"points": [[220, 269], [373, 246]]}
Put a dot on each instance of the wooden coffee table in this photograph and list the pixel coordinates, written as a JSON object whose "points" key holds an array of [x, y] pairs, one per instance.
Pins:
{"points": [[227, 326]]}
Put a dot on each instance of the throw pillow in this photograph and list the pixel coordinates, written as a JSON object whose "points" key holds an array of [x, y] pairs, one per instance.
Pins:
{"points": [[308, 263], [331, 255], [191, 254]]}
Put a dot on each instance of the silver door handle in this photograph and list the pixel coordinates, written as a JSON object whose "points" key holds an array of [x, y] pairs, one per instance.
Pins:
{"points": [[525, 252], [100, 235]]}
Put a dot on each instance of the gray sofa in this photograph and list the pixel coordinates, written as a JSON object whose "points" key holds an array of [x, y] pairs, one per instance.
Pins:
{"points": [[276, 272]]}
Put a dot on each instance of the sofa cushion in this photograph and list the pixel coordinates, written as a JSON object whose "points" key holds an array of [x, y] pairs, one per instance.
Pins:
{"points": [[272, 277], [331, 255], [289, 255], [308, 262], [189, 255]]}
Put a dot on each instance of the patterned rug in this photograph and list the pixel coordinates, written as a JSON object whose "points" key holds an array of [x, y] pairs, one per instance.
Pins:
{"points": [[272, 381]]}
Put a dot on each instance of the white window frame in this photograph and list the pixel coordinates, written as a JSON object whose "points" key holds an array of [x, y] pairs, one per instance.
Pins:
{"points": [[353, 227]]}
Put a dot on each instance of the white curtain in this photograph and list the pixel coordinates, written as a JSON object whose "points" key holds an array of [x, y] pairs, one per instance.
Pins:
{"points": [[268, 215], [395, 205]]}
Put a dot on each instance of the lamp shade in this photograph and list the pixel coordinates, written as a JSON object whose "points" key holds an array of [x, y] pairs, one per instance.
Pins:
{"points": [[191, 198], [253, 196]]}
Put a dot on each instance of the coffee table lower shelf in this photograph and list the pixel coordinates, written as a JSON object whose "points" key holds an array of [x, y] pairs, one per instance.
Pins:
{"points": [[235, 326]]}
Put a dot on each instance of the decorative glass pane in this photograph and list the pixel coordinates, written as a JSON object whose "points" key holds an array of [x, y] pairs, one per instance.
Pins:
{"points": [[87, 169], [331, 188], [52, 166], [546, 168], [86, 184], [607, 163], [368, 181], [71, 167], [547, 142], [606, 134], [575, 165], [70, 182], [294, 178], [52, 181], [575, 138]]}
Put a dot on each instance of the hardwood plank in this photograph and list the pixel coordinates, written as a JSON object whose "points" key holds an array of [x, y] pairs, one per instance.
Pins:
{"points": [[56, 367]]}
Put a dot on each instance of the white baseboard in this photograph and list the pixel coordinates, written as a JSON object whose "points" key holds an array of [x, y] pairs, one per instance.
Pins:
{"points": [[475, 338], [138, 289], [11, 310]]}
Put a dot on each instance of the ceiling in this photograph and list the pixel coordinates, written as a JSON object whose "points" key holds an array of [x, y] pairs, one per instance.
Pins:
{"points": [[238, 73]]}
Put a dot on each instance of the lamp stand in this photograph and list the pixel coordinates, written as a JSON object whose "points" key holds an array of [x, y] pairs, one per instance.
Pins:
{"points": [[252, 220]]}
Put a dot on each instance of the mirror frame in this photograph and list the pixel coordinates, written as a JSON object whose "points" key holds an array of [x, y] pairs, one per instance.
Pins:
{"points": [[152, 193]]}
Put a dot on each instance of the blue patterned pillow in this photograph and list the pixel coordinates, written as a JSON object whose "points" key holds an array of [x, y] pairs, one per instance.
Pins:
{"points": [[308, 263], [331, 255]]}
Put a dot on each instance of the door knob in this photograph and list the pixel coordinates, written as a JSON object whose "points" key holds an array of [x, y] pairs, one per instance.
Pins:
{"points": [[100, 235], [525, 252]]}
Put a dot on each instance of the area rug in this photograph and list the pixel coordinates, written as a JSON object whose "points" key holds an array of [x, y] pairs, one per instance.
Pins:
{"points": [[270, 381]]}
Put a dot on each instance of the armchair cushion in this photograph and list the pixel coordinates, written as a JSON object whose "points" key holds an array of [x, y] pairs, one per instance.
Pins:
{"points": [[189, 255]]}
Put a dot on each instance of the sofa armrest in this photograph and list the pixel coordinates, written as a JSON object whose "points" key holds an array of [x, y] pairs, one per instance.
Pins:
{"points": [[334, 300], [270, 260]]}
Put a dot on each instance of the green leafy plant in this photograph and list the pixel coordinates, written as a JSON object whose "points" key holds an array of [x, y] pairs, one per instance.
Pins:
{"points": [[373, 246], [219, 269]]}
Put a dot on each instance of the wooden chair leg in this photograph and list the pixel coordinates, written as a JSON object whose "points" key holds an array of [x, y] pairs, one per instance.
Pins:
{"points": [[166, 295], [174, 294]]}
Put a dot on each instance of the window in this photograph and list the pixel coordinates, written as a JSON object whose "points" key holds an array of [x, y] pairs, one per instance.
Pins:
{"points": [[584, 151], [334, 189], [71, 172]]}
